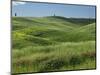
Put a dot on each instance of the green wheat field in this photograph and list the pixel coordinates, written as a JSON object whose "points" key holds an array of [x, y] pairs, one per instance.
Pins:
{"points": [[53, 43]]}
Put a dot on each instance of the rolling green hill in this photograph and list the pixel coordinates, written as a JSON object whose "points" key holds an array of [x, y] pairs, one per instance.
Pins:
{"points": [[52, 43]]}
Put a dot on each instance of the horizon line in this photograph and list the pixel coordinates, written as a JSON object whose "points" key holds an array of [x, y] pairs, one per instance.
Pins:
{"points": [[57, 16]]}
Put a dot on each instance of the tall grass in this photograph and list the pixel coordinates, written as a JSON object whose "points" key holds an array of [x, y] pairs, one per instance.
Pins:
{"points": [[53, 57]]}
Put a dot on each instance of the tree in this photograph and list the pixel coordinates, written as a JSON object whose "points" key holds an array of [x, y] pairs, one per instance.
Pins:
{"points": [[15, 14], [54, 15]]}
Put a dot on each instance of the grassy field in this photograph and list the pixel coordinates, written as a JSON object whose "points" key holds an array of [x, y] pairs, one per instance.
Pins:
{"points": [[52, 43]]}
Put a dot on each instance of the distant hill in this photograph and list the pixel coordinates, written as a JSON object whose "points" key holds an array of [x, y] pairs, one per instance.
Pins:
{"points": [[53, 29]]}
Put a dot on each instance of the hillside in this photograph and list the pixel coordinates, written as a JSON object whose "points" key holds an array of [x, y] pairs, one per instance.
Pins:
{"points": [[57, 42]]}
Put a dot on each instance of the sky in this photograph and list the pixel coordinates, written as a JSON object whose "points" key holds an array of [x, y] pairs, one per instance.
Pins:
{"points": [[31, 9]]}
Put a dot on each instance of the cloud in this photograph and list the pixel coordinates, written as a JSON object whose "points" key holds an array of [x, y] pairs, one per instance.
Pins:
{"points": [[18, 3]]}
